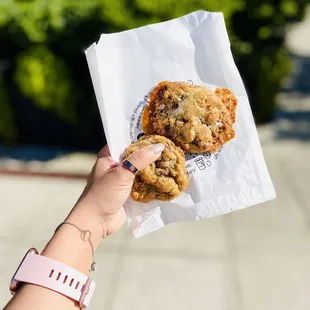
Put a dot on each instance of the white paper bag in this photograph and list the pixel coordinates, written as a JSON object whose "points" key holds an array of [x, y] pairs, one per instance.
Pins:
{"points": [[194, 48]]}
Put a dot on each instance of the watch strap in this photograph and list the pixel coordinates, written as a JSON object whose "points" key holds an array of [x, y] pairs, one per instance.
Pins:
{"points": [[49, 273]]}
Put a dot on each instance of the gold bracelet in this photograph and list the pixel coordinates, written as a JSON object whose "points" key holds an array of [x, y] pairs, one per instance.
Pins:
{"points": [[85, 236]]}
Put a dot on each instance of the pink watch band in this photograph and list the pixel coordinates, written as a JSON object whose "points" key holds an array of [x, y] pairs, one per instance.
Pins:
{"points": [[46, 272]]}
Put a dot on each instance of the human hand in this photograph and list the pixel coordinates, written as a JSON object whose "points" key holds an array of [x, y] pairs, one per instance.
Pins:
{"points": [[109, 186]]}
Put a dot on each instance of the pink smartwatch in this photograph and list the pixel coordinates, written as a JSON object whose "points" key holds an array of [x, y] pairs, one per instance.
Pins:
{"points": [[56, 276]]}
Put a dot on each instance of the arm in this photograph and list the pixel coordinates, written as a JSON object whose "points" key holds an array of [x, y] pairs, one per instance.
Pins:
{"points": [[98, 210]]}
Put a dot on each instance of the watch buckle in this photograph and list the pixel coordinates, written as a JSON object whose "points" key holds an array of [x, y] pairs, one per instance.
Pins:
{"points": [[85, 292]]}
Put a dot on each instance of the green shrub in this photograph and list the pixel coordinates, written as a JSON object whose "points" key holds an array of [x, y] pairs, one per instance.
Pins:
{"points": [[45, 79], [43, 41], [258, 45], [8, 128]]}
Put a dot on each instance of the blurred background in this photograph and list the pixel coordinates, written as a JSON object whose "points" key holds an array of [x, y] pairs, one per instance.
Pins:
{"points": [[50, 131], [46, 92]]}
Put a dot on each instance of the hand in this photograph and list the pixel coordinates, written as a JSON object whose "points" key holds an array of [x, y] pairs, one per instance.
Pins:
{"points": [[109, 186]]}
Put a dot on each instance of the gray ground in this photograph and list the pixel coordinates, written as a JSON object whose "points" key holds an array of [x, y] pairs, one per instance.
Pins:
{"points": [[257, 258]]}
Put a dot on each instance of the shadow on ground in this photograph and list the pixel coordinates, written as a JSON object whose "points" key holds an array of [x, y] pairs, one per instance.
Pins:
{"points": [[293, 116], [28, 153], [293, 125], [300, 78]]}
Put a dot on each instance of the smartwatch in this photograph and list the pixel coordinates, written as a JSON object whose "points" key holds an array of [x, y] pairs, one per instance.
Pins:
{"points": [[53, 275]]}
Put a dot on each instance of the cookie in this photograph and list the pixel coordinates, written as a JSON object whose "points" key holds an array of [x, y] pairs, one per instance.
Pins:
{"points": [[163, 180], [230, 101], [193, 117]]}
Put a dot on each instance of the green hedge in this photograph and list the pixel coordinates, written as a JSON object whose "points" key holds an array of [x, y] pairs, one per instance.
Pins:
{"points": [[43, 43]]}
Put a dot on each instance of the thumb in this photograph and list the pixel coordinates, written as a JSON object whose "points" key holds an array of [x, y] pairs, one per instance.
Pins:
{"points": [[143, 157]]}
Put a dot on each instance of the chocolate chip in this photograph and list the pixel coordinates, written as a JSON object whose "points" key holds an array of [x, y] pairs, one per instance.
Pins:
{"points": [[138, 179], [197, 142], [161, 92], [175, 106], [168, 128]]}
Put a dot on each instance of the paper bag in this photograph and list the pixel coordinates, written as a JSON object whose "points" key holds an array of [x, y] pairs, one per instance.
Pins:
{"points": [[194, 48]]}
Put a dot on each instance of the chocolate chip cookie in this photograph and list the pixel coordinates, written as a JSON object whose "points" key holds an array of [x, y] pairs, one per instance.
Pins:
{"points": [[193, 117], [230, 101], [163, 180]]}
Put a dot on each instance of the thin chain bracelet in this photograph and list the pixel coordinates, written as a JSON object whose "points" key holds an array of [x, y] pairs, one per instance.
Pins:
{"points": [[85, 236]]}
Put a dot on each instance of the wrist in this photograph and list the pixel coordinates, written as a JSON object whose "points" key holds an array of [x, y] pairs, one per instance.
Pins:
{"points": [[86, 216], [68, 245], [106, 219]]}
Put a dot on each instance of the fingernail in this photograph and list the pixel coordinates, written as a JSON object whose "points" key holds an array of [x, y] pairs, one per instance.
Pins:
{"points": [[158, 148]]}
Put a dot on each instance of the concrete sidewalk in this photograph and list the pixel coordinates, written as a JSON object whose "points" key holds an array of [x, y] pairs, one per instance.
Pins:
{"points": [[257, 258]]}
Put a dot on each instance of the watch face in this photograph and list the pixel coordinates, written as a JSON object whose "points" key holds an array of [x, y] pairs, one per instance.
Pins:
{"points": [[15, 284]]}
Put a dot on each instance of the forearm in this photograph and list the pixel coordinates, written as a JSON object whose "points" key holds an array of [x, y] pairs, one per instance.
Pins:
{"points": [[99, 210], [65, 246]]}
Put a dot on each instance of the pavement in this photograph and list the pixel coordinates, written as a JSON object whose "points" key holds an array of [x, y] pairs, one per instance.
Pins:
{"points": [[256, 258]]}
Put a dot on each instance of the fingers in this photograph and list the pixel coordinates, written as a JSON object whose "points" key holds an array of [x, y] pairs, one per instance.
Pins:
{"points": [[104, 162], [104, 152], [143, 157], [122, 156]]}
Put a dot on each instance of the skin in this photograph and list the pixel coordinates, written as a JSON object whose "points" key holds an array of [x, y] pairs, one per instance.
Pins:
{"points": [[100, 210]]}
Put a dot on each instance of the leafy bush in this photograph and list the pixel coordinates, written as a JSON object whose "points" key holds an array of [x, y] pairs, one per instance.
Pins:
{"points": [[46, 80], [258, 37], [43, 42], [8, 129]]}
